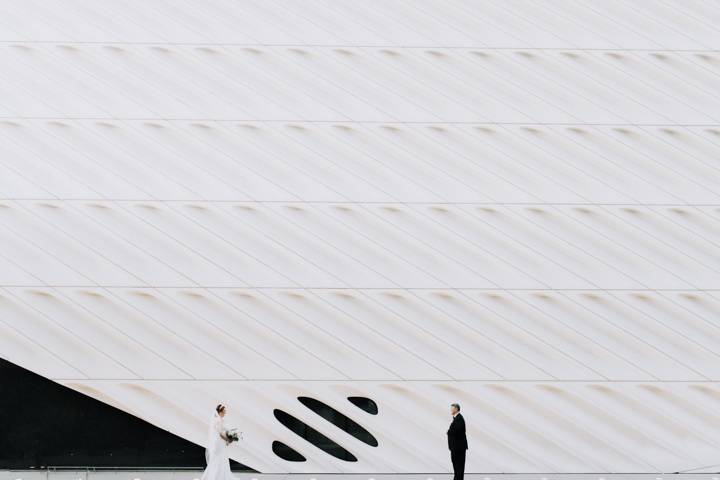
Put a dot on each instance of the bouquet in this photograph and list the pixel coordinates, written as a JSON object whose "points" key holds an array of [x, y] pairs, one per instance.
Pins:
{"points": [[233, 435]]}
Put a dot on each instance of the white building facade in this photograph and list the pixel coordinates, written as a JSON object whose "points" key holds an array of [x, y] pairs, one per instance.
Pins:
{"points": [[510, 205]]}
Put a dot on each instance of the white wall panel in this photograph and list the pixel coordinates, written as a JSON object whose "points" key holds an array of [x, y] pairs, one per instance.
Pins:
{"points": [[401, 83], [510, 204], [377, 334]]}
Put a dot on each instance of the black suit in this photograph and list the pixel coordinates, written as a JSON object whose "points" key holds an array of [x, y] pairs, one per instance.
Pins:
{"points": [[457, 443]]}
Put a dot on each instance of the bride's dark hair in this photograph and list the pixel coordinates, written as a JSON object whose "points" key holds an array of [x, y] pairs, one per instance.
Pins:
{"points": [[220, 408]]}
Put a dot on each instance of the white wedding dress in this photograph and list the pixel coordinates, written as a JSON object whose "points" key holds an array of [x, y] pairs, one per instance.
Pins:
{"points": [[218, 464]]}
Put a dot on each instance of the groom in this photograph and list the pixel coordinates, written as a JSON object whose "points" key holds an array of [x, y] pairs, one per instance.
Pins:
{"points": [[457, 442]]}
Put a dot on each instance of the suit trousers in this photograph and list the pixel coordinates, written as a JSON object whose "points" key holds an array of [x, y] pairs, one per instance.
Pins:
{"points": [[458, 462]]}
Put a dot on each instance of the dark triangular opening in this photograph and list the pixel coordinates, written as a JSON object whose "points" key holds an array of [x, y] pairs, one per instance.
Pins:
{"points": [[43, 423]]}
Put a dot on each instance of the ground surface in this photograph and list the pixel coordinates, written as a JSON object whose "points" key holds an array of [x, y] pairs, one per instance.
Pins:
{"points": [[191, 475]]}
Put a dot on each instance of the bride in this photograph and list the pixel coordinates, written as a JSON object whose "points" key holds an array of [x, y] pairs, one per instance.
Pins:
{"points": [[218, 464]]}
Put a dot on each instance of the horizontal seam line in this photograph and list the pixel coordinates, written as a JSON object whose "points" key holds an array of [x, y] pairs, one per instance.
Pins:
{"points": [[345, 380], [351, 202], [362, 122], [336, 45], [296, 287]]}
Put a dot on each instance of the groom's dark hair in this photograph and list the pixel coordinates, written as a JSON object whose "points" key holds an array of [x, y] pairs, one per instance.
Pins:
{"points": [[456, 405]]}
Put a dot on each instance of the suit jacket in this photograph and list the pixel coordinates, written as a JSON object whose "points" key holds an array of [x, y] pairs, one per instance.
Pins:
{"points": [[456, 434]]}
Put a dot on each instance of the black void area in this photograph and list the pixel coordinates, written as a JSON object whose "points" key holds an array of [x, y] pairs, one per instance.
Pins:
{"points": [[43, 423], [365, 403], [308, 433], [340, 420], [286, 453]]}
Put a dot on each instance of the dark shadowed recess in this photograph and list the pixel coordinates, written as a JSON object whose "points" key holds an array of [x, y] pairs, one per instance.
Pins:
{"points": [[365, 403], [286, 453], [313, 436], [339, 420], [43, 423]]}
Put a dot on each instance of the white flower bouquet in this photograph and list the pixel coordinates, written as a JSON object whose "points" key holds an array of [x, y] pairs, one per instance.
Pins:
{"points": [[233, 435]]}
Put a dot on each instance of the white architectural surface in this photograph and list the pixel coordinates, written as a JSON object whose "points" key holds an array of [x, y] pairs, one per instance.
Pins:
{"points": [[510, 204]]}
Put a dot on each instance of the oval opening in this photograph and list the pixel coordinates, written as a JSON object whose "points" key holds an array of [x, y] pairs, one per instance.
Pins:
{"points": [[287, 453], [365, 403], [340, 420], [308, 433]]}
